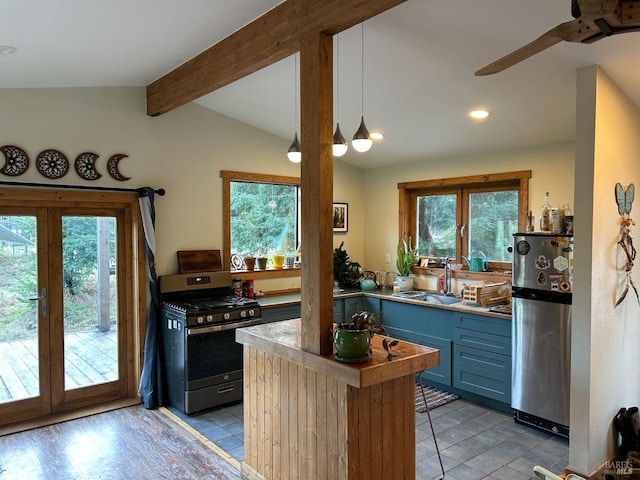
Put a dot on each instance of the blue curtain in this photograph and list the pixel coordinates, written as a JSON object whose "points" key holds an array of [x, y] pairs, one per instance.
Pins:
{"points": [[152, 385]]}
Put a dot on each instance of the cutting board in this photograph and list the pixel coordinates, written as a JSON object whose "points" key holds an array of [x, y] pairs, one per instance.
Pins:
{"points": [[192, 261]]}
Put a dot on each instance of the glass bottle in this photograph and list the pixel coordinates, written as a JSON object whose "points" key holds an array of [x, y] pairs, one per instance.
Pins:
{"points": [[545, 214]]}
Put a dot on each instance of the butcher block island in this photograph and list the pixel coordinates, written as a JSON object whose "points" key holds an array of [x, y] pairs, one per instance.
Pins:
{"points": [[311, 416]]}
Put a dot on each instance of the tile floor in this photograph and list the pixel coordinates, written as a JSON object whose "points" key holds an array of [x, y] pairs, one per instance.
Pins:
{"points": [[475, 442]]}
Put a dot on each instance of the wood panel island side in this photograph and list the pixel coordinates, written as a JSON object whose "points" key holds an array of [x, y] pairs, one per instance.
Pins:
{"points": [[309, 416]]}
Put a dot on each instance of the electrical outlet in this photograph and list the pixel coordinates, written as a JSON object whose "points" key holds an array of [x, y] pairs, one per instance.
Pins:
{"points": [[387, 258]]}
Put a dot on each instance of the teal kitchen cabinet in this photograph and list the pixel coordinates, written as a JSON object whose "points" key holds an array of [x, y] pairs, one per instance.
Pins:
{"points": [[352, 305], [281, 312], [338, 310], [371, 305], [344, 308], [431, 327], [482, 356]]}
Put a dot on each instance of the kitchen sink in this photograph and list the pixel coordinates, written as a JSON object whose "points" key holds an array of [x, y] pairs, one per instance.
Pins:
{"points": [[441, 299], [412, 294], [427, 297]]}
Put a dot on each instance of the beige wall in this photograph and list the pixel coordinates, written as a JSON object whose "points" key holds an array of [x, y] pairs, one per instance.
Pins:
{"points": [[605, 353], [552, 170], [182, 151]]}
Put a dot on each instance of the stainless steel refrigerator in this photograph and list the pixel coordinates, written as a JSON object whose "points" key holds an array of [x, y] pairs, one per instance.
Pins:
{"points": [[541, 319]]}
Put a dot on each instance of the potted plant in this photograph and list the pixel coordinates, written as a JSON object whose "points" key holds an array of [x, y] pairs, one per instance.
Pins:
{"points": [[352, 340], [261, 258], [404, 261], [345, 272]]}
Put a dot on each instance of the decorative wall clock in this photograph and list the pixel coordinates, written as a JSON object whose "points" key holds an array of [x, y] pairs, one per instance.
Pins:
{"points": [[16, 161], [112, 167], [85, 166], [624, 199], [52, 164]]}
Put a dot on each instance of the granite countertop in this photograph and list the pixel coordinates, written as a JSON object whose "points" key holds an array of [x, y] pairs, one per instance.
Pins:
{"points": [[277, 300]]}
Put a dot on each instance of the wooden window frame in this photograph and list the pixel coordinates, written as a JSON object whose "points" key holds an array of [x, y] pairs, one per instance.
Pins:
{"points": [[229, 176], [409, 191]]}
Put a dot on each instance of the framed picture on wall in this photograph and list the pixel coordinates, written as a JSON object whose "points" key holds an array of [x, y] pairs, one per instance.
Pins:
{"points": [[340, 217]]}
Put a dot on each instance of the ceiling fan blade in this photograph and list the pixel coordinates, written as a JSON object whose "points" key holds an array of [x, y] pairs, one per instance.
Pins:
{"points": [[572, 31], [517, 56]]}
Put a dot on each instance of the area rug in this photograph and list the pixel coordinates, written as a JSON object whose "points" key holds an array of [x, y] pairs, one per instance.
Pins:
{"points": [[435, 398]]}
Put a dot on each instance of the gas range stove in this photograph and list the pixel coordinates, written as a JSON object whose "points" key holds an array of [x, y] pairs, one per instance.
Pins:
{"points": [[199, 319], [207, 311], [204, 299]]}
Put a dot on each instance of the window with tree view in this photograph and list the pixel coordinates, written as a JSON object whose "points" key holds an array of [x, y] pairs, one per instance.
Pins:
{"points": [[264, 218], [466, 216], [262, 215]]}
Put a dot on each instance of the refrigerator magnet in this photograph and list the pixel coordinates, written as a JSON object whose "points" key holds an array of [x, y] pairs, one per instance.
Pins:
{"points": [[560, 263], [542, 279], [542, 262], [523, 247]]}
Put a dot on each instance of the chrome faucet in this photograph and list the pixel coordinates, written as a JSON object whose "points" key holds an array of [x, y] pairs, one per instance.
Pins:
{"points": [[447, 277]]}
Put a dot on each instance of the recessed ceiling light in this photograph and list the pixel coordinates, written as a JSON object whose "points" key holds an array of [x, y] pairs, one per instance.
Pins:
{"points": [[376, 136], [7, 50], [479, 113]]}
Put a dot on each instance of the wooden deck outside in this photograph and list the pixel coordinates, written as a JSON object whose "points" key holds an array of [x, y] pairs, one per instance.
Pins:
{"points": [[92, 358]]}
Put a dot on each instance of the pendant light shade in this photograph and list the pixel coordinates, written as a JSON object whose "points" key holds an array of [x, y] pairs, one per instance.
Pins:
{"points": [[339, 143], [362, 140], [294, 150]]}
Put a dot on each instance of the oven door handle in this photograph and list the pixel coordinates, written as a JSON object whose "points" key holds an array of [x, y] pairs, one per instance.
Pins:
{"points": [[224, 326]]}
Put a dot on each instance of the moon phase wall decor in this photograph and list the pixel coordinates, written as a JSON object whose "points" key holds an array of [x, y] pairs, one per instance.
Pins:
{"points": [[52, 164], [112, 167], [16, 161], [85, 166]]}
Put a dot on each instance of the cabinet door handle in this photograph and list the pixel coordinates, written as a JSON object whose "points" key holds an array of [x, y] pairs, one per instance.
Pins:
{"points": [[462, 229]]}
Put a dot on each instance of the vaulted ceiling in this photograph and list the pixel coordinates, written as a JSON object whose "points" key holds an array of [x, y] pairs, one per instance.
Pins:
{"points": [[419, 64]]}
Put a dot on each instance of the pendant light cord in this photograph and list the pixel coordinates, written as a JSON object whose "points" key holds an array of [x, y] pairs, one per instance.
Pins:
{"points": [[295, 91], [337, 77], [362, 69]]}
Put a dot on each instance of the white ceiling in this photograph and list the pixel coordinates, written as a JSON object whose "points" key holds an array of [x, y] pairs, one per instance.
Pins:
{"points": [[419, 60]]}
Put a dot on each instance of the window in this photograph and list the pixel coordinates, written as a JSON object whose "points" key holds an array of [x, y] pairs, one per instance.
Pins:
{"points": [[457, 217], [261, 214]]}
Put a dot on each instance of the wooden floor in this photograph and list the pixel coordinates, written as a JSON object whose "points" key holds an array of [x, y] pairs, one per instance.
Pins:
{"points": [[91, 356], [123, 444]]}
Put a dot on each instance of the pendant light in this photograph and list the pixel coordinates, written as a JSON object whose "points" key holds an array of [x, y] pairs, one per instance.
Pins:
{"points": [[294, 153], [340, 146], [362, 140]]}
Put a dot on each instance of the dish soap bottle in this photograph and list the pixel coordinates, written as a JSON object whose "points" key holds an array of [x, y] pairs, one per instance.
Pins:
{"points": [[545, 213]]}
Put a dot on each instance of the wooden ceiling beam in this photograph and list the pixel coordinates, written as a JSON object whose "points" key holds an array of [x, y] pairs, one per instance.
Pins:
{"points": [[268, 39]]}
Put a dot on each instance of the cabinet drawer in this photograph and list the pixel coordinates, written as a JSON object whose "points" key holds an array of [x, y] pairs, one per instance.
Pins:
{"points": [[480, 323], [476, 357], [441, 373], [481, 381], [482, 340], [417, 318]]}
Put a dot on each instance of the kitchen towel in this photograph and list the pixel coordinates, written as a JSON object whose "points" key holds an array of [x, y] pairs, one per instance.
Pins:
{"points": [[435, 398]]}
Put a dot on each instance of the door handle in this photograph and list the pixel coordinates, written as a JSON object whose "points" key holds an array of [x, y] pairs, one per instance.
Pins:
{"points": [[462, 229], [42, 299]]}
